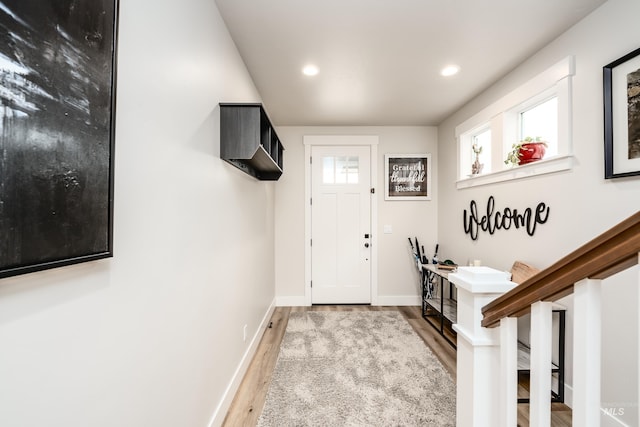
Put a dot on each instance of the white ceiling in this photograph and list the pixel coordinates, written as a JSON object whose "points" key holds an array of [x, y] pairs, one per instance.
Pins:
{"points": [[380, 60]]}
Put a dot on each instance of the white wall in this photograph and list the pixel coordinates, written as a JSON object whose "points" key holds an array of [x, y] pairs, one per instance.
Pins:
{"points": [[153, 336], [583, 204], [397, 276]]}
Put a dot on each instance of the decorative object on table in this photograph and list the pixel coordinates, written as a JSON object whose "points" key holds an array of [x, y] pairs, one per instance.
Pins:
{"points": [[476, 167], [521, 271], [407, 176], [622, 116], [447, 265], [435, 254], [526, 151], [495, 220], [58, 79]]}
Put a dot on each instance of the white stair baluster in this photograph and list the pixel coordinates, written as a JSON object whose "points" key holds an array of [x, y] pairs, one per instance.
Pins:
{"points": [[509, 371], [586, 353], [541, 349]]}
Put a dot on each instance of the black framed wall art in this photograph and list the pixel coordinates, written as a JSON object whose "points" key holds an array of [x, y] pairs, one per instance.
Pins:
{"points": [[407, 176], [57, 120], [622, 116]]}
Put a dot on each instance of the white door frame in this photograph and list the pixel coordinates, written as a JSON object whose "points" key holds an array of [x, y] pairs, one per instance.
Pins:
{"points": [[372, 142]]}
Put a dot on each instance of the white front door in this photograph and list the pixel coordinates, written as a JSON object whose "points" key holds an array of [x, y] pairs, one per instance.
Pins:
{"points": [[341, 225]]}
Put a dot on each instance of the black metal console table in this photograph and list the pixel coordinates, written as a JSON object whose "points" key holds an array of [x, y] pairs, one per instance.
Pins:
{"points": [[439, 303], [524, 360]]}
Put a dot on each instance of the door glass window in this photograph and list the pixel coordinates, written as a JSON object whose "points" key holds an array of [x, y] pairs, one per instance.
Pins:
{"points": [[340, 170], [328, 170]]}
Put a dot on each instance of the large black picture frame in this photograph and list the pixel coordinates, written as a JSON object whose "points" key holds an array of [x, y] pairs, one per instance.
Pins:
{"points": [[621, 80], [57, 129]]}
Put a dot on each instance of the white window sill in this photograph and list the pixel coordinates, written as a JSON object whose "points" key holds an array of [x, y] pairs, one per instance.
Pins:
{"points": [[541, 167]]}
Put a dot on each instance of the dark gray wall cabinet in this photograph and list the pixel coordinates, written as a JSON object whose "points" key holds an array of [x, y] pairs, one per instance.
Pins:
{"points": [[249, 142]]}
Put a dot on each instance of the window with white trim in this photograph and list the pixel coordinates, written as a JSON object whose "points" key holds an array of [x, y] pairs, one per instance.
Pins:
{"points": [[540, 123], [539, 109]]}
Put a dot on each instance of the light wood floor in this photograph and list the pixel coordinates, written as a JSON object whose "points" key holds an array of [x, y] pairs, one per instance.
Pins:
{"points": [[249, 400]]}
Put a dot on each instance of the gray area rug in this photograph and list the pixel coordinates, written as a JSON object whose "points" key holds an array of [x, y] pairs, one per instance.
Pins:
{"points": [[357, 369]]}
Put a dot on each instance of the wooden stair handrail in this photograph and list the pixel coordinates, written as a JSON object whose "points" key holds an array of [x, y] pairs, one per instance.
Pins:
{"points": [[611, 252]]}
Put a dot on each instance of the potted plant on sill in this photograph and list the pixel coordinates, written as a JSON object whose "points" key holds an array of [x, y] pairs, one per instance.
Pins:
{"points": [[526, 151]]}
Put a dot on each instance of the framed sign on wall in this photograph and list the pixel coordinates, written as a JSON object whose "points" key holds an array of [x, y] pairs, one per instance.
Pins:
{"points": [[407, 176]]}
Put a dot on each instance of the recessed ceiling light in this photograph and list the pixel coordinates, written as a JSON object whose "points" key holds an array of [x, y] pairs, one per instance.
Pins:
{"points": [[450, 70], [310, 70]]}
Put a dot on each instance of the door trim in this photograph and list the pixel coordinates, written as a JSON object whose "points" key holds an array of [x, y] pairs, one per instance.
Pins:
{"points": [[372, 142]]}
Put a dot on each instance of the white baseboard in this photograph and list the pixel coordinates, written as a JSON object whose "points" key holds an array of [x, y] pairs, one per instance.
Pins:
{"points": [[568, 394], [227, 398], [402, 300], [291, 301]]}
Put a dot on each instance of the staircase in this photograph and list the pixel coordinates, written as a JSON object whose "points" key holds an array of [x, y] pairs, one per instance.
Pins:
{"points": [[489, 305]]}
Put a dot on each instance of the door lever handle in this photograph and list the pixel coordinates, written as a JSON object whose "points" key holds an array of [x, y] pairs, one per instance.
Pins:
{"points": [[366, 245]]}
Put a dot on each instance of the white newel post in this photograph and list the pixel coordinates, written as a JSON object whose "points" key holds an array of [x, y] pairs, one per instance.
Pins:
{"points": [[478, 359]]}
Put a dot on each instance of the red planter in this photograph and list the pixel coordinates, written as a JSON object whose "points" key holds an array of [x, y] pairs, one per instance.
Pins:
{"points": [[531, 152]]}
